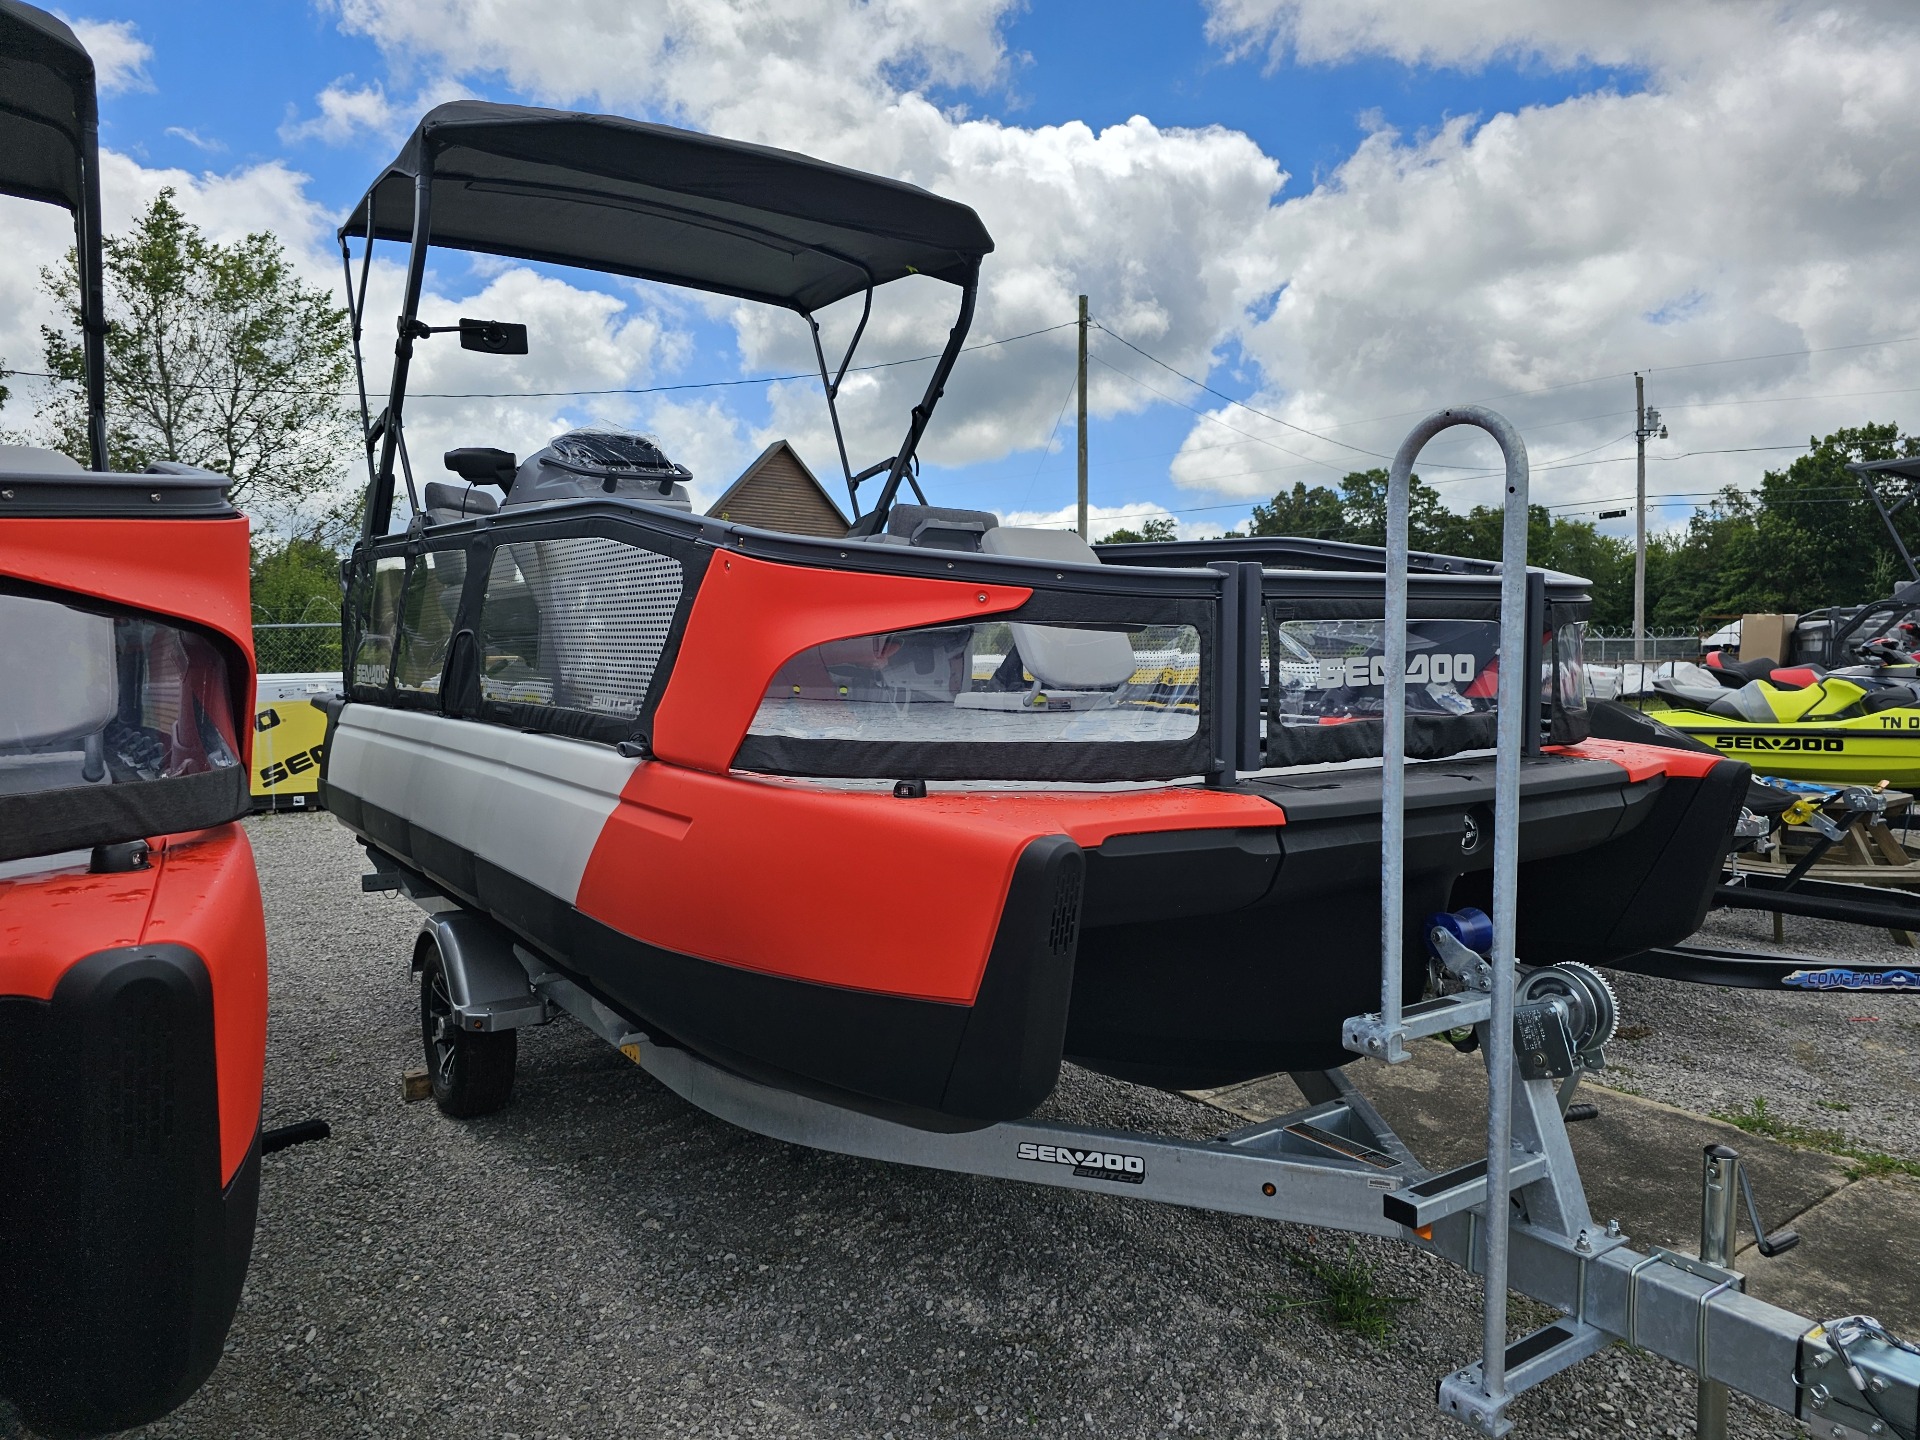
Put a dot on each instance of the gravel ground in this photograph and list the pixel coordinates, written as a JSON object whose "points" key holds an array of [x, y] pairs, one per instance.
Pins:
{"points": [[1834, 1061], [601, 1259]]}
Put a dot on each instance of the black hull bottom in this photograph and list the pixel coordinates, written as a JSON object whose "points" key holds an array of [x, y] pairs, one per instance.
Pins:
{"points": [[1202, 1001], [125, 1253]]}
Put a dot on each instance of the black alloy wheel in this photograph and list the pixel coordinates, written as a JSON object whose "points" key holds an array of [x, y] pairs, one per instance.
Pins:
{"points": [[471, 1073]]}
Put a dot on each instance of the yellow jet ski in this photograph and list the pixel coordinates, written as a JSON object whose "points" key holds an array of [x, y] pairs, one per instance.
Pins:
{"points": [[1805, 724]]}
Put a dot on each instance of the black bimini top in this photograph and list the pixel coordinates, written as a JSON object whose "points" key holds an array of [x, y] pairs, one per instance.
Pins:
{"points": [[47, 110], [632, 198], [1905, 467]]}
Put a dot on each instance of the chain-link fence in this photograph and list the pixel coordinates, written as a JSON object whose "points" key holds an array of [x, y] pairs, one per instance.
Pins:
{"points": [[296, 649], [1612, 647]]}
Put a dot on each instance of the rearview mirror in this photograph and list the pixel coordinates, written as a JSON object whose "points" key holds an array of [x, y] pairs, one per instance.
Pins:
{"points": [[493, 337]]}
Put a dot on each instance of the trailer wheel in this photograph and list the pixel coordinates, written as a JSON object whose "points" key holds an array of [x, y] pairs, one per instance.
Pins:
{"points": [[472, 1074]]}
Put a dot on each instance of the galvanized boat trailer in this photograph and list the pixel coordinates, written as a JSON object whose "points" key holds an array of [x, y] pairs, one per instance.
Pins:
{"points": [[1519, 1218]]}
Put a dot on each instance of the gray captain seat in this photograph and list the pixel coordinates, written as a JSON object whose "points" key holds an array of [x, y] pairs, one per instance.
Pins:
{"points": [[447, 503], [33, 460], [936, 527], [1058, 657]]}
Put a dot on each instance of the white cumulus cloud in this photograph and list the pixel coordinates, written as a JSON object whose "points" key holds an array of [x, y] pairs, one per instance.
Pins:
{"points": [[1157, 224], [1755, 198], [120, 56]]}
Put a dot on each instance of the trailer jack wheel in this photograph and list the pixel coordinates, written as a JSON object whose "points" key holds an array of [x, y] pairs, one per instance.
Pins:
{"points": [[471, 1074]]}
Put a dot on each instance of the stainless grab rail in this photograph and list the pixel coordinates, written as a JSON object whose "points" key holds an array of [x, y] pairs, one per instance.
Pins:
{"points": [[1515, 711]]}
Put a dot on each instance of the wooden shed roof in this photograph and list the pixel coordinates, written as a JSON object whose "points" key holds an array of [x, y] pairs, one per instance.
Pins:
{"points": [[778, 492]]}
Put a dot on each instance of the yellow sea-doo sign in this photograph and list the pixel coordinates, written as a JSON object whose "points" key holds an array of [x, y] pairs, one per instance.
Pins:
{"points": [[289, 736]]}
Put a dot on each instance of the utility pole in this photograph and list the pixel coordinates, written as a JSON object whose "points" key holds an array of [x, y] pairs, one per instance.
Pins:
{"points": [[1083, 417], [1646, 425], [1640, 521]]}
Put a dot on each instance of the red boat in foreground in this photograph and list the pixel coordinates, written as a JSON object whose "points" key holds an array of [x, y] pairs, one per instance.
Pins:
{"points": [[132, 946]]}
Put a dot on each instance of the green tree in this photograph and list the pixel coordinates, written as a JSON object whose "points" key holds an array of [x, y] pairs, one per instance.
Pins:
{"points": [[1363, 506], [1816, 539], [1312, 513], [218, 356], [1159, 528], [295, 582]]}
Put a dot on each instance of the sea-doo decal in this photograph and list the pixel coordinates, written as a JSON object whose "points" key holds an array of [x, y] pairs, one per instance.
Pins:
{"points": [[1838, 979], [1360, 671], [1830, 744], [1088, 1164]]}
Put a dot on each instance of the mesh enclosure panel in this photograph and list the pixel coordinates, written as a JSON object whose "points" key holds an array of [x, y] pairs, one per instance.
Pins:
{"points": [[578, 623], [1066, 688], [120, 727], [1326, 680]]}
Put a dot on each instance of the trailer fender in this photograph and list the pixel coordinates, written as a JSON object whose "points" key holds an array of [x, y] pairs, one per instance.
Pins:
{"points": [[485, 980]]}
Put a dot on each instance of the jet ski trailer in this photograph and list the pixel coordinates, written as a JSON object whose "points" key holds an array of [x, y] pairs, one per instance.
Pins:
{"points": [[852, 841], [133, 988]]}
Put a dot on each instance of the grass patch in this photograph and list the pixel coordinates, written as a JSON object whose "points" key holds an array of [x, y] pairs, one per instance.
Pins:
{"points": [[1757, 1119], [1350, 1296]]}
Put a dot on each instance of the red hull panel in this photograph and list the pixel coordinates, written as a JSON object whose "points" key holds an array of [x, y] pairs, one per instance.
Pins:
{"points": [[200, 891], [735, 870], [1642, 762]]}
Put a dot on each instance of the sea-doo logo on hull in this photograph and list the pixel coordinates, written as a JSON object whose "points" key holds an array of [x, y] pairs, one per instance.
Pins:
{"points": [[1088, 1164], [1829, 744], [1854, 980]]}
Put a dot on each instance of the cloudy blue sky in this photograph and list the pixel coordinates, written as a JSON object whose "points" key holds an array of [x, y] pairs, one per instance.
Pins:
{"points": [[1335, 213]]}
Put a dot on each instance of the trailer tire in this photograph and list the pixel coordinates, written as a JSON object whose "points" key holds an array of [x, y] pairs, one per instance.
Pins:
{"points": [[471, 1074]]}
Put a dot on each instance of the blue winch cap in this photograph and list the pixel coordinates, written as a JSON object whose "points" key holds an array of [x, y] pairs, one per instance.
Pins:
{"points": [[1472, 928]]}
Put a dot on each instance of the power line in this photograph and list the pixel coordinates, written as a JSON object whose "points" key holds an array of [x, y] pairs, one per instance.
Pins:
{"points": [[1650, 370], [611, 390], [1222, 395], [1214, 419]]}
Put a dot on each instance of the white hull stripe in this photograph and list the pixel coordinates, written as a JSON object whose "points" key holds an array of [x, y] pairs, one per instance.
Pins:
{"points": [[532, 804]]}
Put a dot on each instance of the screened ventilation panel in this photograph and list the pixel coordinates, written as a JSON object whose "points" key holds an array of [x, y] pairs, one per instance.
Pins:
{"points": [[577, 623]]}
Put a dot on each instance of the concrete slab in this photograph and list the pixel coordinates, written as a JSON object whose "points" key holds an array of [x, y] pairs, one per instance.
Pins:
{"points": [[1859, 1253], [1640, 1160]]}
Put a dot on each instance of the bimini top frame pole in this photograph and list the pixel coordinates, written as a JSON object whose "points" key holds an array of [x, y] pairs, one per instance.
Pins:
{"points": [[625, 197], [50, 151]]}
